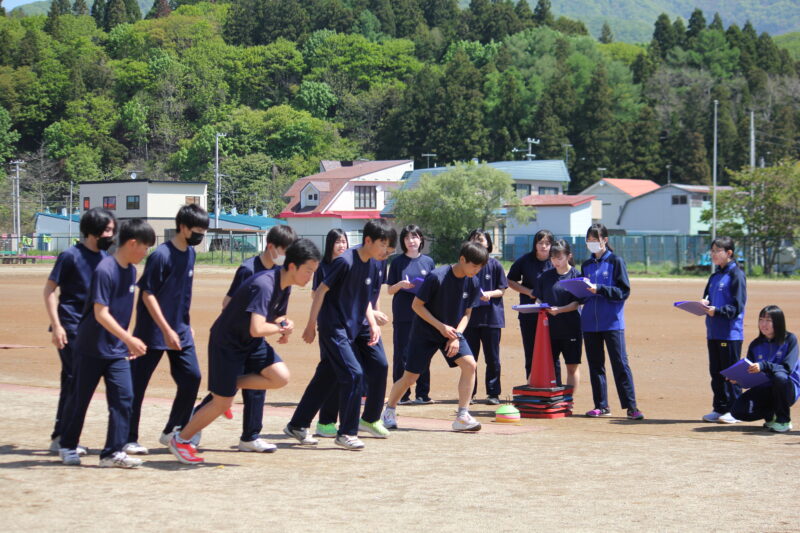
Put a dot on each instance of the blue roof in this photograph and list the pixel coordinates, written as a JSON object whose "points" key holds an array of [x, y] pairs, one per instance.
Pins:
{"points": [[544, 170], [75, 217], [255, 221]]}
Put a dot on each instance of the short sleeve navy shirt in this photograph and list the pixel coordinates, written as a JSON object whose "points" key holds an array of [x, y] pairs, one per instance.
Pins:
{"points": [[246, 270], [525, 271], [490, 314], [168, 275], [113, 287], [447, 298], [549, 291], [404, 267], [73, 275], [260, 294], [350, 281]]}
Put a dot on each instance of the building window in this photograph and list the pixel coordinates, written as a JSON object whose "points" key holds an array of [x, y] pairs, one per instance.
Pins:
{"points": [[312, 197], [679, 199], [192, 200], [110, 202], [132, 202], [548, 190], [522, 189], [366, 197], [86, 203]]}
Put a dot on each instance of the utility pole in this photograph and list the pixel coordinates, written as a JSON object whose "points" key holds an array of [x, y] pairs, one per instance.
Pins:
{"points": [[516, 150], [15, 192], [69, 213], [669, 174], [216, 178], [714, 182], [566, 146], [752, 140], [428, 159], [602, 171]]}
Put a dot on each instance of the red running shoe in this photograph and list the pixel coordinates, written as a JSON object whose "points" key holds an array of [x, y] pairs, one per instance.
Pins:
{"points": [[229, 414], [184, 452]]}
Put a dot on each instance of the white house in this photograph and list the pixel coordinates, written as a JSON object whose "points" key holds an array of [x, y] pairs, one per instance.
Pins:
{"points": [[346, 196], [612, 193], [673, 209], [155, 201]]}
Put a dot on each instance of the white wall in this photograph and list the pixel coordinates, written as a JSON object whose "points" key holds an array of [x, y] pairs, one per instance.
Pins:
{"points": [[612, 199], [389, 174], [156, 200], [561, 220], [654, 212], [345, 200]]}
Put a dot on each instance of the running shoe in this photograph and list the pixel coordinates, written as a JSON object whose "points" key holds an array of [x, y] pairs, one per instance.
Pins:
{"points": [[781, 427], [69, 457], [596, 413], [349, 442], [466, 423], [389, 418], [635, 414], [376, 429], [120, 460], [184, 452], [301, 434], [326, 431], [134, 448], [256, 445]]}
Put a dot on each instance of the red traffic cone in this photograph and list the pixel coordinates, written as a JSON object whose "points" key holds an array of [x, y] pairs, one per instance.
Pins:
{"points": [[543, 372]]}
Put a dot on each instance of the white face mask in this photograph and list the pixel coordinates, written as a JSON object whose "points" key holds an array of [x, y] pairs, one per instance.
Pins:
{"points": [[593, 246], [278, 259]]}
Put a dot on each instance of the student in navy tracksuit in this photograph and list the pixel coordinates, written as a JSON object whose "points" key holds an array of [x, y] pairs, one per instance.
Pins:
{"points": [[257, 310], [162, 322], [402, 273], [603, 321], [443, 306], [71, 275], [521, 277], [335, 245], [278, 240], [326, 426], [488, 318], [565, 320], [774, 353], [340, 305], [103, 348], [726, 295]]}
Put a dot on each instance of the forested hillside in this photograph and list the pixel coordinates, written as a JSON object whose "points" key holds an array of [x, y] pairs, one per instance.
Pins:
{"points": [[95, 96]]}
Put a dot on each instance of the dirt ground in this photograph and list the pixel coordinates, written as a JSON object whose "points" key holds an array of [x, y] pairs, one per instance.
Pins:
{"points": [[668, 472]]}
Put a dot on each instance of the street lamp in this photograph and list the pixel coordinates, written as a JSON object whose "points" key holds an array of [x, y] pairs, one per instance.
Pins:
{"points": [[669, 174], [428, 159], [566, 146], [602, 172]]}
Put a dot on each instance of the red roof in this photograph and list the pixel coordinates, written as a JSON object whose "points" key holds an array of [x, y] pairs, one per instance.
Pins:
{"points": [[334, 214], [329, 184], [633, 187], [541, 200]]}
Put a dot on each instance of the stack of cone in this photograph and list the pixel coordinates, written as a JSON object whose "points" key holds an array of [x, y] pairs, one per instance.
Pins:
{"points": [[542, 397]]}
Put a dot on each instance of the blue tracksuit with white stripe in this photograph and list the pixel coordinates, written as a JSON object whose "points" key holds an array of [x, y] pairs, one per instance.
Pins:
{"points": [[726, 291], [603, 321], [778, 360]]}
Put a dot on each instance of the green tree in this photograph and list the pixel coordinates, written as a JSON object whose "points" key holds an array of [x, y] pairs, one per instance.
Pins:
{"points": [[8, 137], [524, 14], [762, 206], [98, 13], [80, 8], [368, 25], [116, 14], [716, 23], [330, 14], [160, 9], [383, 10], [57, 8], [440, 13], [408, 15], [644, 159], [316, 97], [259, 182], [697, 23], [2, 9], [450, 204], [664, 38], [242, 22], [542, 14], [132, 11], [679, 30], [506, 111], [606, 35], [282, 18], [595, 135]]}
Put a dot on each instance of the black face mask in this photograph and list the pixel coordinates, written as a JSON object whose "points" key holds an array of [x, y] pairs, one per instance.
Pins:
{"points": [[104, 243], [195, 239]]}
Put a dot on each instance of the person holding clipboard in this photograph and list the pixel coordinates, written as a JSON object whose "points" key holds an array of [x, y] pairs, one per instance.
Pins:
{"points": [[773, 353]]}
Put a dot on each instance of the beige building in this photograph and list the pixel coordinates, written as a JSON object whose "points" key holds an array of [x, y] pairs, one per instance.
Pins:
{"points": [[155, 201]]}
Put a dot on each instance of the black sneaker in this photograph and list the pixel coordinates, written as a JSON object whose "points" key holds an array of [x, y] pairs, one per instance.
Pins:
{"points": [[493, 400], [423, 401], [406, 401]]}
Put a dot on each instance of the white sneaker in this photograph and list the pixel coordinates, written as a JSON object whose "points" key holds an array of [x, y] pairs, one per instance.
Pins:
{"points": [[120, 460], [301, 435], [349, 442], [257, 445], [727, 418], [713, 416], [466, 423], [69, 457], [55, 447], [134, 448], [389, 418]]}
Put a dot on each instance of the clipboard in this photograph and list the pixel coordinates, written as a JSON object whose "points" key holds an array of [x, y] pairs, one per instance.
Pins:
{"points": [[578, 287], [417, 284], [738, 372], [694, 307], [529, 308]]}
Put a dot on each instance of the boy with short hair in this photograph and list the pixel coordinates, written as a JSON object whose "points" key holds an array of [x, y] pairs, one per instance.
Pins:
{"points": [[257, 310], [279, 238], [72, 275], [103, 348], [726, 295], [162, 322], [342, 303], [443, 306]]}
